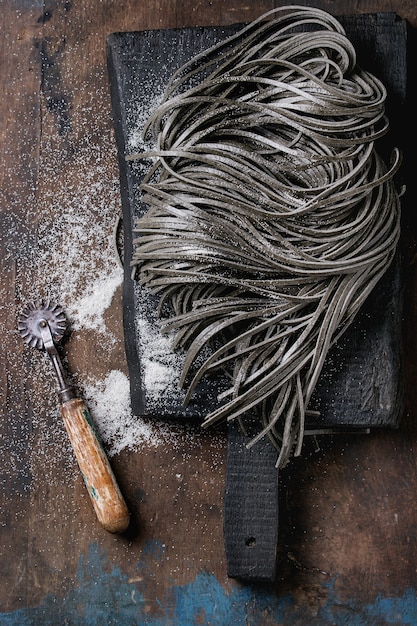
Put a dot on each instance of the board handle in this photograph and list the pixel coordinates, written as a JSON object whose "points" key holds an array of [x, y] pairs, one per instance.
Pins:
{"points": [[250, 506], [101, 483]]}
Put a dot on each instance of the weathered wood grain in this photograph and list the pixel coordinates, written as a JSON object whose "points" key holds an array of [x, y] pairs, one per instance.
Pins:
{"points": [[349, 530], [19, 152]]}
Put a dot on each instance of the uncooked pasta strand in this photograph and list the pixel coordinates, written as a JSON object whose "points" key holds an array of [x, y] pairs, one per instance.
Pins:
{"points": [[271, 215]]}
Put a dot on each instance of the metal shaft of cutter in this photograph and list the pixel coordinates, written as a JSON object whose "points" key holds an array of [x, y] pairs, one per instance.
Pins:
{"points": [[66, 391]]}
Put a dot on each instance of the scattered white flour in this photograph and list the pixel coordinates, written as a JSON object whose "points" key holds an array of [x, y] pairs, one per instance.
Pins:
{"points": [[161, 367], [137, 119], [66, 252], [88, 310], [76, 261], [109, 403]]}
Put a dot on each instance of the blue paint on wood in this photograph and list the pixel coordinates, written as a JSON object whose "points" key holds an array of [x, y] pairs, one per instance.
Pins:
{"points": [[401, 610], [104, 596], [206, 601]]}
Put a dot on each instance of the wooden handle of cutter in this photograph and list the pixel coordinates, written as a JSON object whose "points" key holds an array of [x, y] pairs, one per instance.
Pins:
{"points": [[102, 487]]}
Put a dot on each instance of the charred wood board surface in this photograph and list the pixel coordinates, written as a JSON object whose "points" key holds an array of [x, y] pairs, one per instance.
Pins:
{"points": [[353, 391], [251, 508]]}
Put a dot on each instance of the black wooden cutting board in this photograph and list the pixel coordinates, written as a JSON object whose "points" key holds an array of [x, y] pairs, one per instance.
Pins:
{"points": [[360, 386]]}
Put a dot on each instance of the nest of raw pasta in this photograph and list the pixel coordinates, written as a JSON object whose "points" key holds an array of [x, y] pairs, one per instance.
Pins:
{"points": [[271, 216]]}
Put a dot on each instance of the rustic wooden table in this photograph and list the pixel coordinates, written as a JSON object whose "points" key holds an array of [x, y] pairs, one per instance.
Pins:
{"points": [[348, 547]]}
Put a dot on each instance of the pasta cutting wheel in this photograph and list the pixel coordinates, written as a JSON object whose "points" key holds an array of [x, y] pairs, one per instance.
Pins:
{"points": [[41, 324], [30, 323]]}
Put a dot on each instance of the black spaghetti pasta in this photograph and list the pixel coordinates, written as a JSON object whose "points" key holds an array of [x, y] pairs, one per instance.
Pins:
{"points": [[271, 216]]}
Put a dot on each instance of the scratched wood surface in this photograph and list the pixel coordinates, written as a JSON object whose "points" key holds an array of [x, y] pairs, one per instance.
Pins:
{"points": [[348, 547]]}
